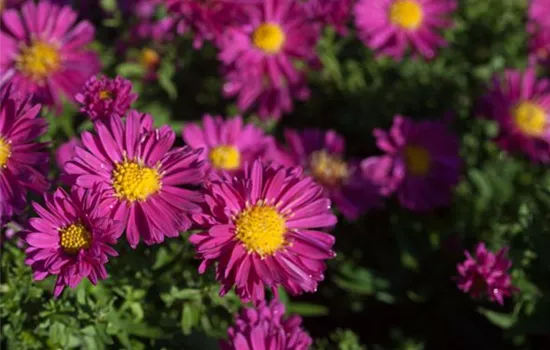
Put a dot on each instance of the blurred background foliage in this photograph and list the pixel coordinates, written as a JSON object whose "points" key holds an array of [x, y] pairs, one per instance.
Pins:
{"points": [[391, 285]]}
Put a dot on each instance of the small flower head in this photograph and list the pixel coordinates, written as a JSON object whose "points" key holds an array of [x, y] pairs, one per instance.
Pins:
{"points": [[262, 231], [265, 327], [335, 13], [228, 144], [23, 160], [142, 176], [71, 238], [390, 27], [422, 163], [47, 59], [520, 104], [486, 274], [103, 98], [321, 154]]}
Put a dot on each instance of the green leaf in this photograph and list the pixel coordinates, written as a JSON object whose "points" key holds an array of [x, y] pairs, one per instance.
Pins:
{"points": [[501, 320]]}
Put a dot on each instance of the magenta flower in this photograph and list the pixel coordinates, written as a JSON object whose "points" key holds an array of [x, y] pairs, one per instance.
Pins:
{"points": [[539, 13], [71, 238], [23, 160], [66, 152], [321, 154], [422, 162], [539, 47], [262, 231], [142, 175], [520, 104], [228, 144], [486, 274], [43, 51], [264, 327], [261, 52], [103, 98], [335, 13], [390, 27]]}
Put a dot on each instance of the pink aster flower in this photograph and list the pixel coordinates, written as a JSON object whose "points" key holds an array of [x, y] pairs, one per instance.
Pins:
{"points": [[228, 144], [422, 162], [262, 231], [539, 47], [142, 175], [486, 274], [265, 327], [539, 12], [261, 52], [390, 27], [520, 104], [71, 238], [43, 51], [23, 160], [103, 98], [335, 13], [321, 154]]}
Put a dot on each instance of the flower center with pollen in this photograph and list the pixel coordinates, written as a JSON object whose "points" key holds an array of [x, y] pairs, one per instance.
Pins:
{"points": [[328, 169], [530, 118], [261, 229], [269, 37], [5, 152], [225, 157], [417, 160], [135, 182], [39, 60], [75, 237], [406, 13], [105, 95]]}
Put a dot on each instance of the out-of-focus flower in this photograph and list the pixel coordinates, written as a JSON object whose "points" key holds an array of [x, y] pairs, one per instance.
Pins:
{"points": [[390, 27], [23, 160], [539, 47], [71, 238], [321, 154], [265, 327], [142, 174], [486, 274], [261, 53], [520, 104], [262, 231], [66, 152], [335, 13], [43, 51], [422, 162], [228, 144], [539, 13], [103, 98]]}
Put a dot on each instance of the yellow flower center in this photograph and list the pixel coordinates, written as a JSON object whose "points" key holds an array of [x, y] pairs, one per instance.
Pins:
{"points": [[5, 152], [418, 160], [261, 229], [105, 95], [135, 182], [75, 237], [530, 118], [39, 60], [406, 13], [149, 58], [269, 37], [225, 157], [329, 170]]}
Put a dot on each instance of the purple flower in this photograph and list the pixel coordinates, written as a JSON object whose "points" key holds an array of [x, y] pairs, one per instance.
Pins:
{"points": [[23, 160], [264, 327], [321, 154], [520, 104], [486, 275], [421, 161], [335, 13], [262, 231], [103, 98], [539, 47], [43, 51], [539, 13], [71, 238], [390, 27]]}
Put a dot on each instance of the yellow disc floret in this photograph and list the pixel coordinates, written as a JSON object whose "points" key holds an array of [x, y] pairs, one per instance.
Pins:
{"points": [[530, 118], [261, 228], [75, 237], [5, 152], [39, 60], [269, 37], [328, 169], [417, 160], [225, 157], [133, 181], [407, 14], [105, 95]]}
